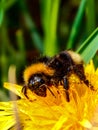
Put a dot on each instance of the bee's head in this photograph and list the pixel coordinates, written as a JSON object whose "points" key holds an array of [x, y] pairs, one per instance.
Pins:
{"points": [[37, 77], [38, 83]]}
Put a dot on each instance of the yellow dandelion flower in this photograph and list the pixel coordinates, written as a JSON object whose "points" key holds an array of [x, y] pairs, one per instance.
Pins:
{"points": [[54, 112]]}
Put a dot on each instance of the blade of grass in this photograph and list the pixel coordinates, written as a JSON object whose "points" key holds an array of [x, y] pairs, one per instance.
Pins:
{"points": [[1, 11], [50, 27], [9, 3], [89, 47], [4, 5], [76, 24], [5, 41], [36, 38], [20, 41], [3, 57], [90, 16], [45, 13]]}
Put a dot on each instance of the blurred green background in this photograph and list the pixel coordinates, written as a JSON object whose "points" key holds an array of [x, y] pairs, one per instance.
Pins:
{"points": [[32, 28]]}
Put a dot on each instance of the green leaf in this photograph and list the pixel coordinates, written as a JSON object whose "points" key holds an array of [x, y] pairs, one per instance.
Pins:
{"points": [[76, 25], [30, 24], [1, 11], [4, 5], [9, 4], [89, 47], [50, 18], [90, 16], [1, 16]]}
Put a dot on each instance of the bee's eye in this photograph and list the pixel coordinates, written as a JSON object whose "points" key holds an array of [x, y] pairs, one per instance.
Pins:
{"points": [[36, 81]]}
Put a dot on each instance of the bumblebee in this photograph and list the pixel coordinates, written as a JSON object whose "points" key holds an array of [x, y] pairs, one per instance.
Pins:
{"points": [[48, 71]]}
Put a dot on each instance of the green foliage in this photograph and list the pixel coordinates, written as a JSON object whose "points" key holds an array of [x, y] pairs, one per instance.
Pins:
{"points": [[50, 18], [1, 11], [76, 25], [90, 46]]}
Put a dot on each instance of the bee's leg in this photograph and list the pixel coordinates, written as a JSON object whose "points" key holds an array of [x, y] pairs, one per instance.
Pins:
{"points": [[79, 71], [44, 92], [24, 90], [51, 92], [66, 87]]}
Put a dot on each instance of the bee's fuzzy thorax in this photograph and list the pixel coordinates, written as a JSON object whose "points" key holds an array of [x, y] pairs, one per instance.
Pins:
{"points": [[37, 68]]}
